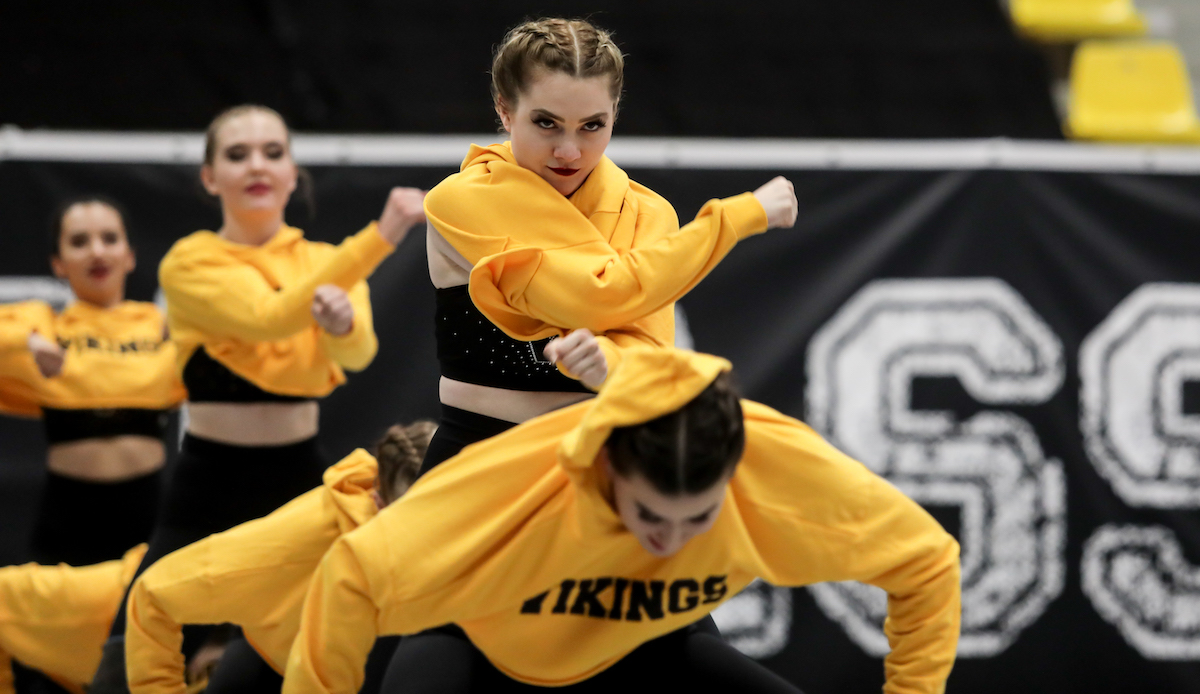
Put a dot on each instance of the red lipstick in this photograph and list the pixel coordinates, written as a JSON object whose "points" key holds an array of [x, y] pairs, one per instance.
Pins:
{"points": [[258, 189]]}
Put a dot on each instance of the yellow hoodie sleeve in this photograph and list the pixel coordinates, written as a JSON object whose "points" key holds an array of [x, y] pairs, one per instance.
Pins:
{"points": [[593, 285], [227, 298], [55, 618], [355, 350], [18, 371], [254, 575], [819, 516], [337, 628], [18, 321], [249, 575], [6, 674]]}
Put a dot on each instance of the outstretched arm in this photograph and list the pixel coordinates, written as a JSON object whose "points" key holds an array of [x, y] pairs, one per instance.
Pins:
{"points": [[228, 298]]}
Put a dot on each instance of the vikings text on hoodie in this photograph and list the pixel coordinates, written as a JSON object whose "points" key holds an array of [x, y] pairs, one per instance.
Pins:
{"points": [[116, 357]]}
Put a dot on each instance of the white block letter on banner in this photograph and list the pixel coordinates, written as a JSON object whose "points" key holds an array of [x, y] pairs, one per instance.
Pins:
{"points": [[1011, 498]]}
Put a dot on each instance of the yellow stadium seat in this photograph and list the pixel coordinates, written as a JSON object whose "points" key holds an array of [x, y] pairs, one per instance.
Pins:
{"points": [[1131, 91], [1074, 20]]}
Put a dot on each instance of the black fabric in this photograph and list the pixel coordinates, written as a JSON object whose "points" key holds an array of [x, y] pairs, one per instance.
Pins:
{"points": [[81, 522], [208, 380], [64, 426], [694, 659], [473, 350], [456, 430], [29, 681], [242, 671], [217, 486]]}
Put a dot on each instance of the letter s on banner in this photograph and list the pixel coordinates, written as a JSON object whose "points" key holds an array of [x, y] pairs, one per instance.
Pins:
{"points": [[1133, 368], [1012, 498]]}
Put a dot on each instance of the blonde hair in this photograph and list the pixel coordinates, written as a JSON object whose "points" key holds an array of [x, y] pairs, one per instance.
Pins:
{"points": [[400, 453], [573, 47]]}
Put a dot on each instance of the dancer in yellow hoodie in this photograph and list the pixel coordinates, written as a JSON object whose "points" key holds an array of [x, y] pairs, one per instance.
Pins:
{"points": [[584, 533], [266, 323], [101, 376], [256, 574], [544, 236]]}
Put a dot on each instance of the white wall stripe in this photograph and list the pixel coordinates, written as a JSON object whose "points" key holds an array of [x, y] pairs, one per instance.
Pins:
{"points": [[631, 152]]}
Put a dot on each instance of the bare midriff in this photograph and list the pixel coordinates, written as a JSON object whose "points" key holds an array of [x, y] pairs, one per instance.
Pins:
{"points": [[448, 268], [253, 423], [501, 403], [110, 459]]}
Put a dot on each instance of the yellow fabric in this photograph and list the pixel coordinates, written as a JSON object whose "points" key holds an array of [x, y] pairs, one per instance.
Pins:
{"points": [[1072, 20], [531, 524], [250, 307], [611, 258], [254, 575], [1131, 91], [115, 357], [55, 618]]}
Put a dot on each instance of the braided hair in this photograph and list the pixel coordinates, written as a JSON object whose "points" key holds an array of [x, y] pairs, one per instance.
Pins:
{"points": [[574, 47], [400, 453], [686, 451]]}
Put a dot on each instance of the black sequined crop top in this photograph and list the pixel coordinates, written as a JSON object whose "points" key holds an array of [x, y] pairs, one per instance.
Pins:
{"points": [[472, 350], [208, 380]]}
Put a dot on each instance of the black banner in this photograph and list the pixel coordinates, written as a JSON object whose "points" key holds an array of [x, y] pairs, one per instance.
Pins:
{"points": [[1017, 350]]}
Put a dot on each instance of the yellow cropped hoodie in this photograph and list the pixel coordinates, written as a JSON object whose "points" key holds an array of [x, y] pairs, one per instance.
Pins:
{"points": [[254, 575], [55, 618], [249, 307], [116, 357], [611, 258], [537, 568]]}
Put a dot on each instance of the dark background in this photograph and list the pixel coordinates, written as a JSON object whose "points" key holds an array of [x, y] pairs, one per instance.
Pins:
{"points": [[798, 68]]}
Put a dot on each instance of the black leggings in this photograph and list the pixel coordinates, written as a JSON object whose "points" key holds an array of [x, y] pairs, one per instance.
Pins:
{"points": [[689, 659], [217, 486], [457, 430], [242, 671], [30, 681], [81, 522]]}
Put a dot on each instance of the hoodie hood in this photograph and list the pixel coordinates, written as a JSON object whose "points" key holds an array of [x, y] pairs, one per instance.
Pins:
{"points": [[601, 197], [349, 484], [647, 384]]}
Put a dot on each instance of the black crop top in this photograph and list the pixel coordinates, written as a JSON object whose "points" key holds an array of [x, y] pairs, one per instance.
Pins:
{"points": [[473, 350], [64, 426], [208, 380]]}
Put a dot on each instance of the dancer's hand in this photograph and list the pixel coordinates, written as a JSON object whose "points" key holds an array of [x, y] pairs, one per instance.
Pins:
{"points": [[579, 353], [778, 198], [405, 208], [48, 356], [332, 308]]}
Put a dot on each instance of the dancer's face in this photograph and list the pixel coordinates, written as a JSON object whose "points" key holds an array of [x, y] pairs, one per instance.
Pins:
{"points": [[663, 524], [252, 168], [560, 127], [94, 256]]}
